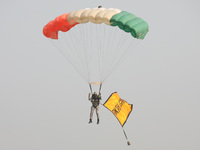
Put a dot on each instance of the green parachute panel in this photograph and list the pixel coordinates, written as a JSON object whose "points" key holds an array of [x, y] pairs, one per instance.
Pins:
{"points": [[124, 19], [116, 17], [140, 30], [130, 23]]}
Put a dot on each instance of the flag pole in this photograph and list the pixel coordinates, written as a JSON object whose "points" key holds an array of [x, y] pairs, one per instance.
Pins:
{"points": [[128, 143]]}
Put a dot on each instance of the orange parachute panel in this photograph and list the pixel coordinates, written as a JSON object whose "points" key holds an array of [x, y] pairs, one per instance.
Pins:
{"points": [[59, 24]]}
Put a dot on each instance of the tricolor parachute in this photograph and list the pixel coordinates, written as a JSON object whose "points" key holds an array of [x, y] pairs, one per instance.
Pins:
{"points": [[96, 40]]}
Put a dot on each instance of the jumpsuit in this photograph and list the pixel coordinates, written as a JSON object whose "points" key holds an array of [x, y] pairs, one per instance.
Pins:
{"points": [[95, 100]]}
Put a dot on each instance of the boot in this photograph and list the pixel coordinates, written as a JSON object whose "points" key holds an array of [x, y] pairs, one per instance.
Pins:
{"points": [[97, 121], [90, 121]]}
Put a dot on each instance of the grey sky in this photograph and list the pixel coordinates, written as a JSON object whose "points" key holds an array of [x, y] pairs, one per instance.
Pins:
{"points": [[43, 100]]}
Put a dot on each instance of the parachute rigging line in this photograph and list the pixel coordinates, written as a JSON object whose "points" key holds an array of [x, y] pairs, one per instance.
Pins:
{"points": [[117, 64], [85, 37], [69, 60], [77, 58], [78, 55]]}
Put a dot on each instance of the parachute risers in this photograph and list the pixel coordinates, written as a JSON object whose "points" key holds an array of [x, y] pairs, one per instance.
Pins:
{"points": [[95, 83]]}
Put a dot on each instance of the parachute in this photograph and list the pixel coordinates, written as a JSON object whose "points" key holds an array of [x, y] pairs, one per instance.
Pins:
{"points": [[96, 40]]}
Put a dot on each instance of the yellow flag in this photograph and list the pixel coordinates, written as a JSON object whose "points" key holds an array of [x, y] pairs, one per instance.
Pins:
{"points": [[119, 107]]}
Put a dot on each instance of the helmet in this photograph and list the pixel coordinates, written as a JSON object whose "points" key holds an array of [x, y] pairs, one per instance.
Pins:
{"points": [[95, 93]]}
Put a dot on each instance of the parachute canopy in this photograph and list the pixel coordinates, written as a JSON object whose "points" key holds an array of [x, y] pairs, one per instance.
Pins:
{"points": [[110, 16], [119, 107]]}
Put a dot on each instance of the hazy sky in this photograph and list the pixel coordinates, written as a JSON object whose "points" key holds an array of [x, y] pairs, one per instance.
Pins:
{"points": [[43, 100]]}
